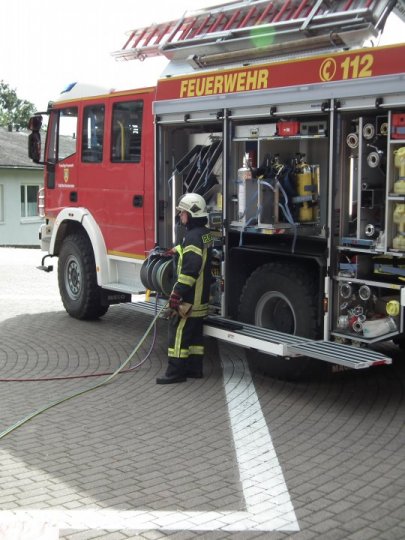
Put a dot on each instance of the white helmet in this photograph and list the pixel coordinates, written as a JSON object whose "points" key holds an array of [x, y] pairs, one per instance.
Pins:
{"points": [[194, 204]]}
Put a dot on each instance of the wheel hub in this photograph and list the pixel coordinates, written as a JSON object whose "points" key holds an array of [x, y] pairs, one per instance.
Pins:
{"points": [[275, 312], [73, 278]]}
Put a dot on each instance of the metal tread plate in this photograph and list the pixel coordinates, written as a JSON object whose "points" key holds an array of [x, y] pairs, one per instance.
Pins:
{"points": [[257, 332], [338, 353], [150, 307], [274, 342]]}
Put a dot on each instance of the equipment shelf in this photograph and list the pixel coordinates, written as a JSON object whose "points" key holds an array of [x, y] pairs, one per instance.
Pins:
{"points": [[353, 335]]}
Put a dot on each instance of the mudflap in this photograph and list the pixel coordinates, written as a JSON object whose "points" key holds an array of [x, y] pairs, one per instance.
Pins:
{"points": [[109, 297]]}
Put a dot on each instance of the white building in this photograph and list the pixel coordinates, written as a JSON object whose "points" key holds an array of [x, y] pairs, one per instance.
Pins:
{"points": [[20, 180]]}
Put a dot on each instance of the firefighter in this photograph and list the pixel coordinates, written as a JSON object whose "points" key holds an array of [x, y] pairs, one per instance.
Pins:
{"points": [[185, 332]]}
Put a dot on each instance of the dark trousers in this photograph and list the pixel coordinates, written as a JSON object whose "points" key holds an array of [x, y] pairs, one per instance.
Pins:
{"points": [[186, 345]]}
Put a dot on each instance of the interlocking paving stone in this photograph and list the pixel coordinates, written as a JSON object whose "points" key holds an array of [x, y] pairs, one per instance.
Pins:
{"points": [[132, 445]]}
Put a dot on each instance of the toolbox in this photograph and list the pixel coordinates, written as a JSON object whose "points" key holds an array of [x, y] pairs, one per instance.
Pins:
{"points": [[287, 129]]}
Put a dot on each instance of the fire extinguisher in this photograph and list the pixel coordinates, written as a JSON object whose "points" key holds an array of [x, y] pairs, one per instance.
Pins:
{"points": [[244, 174]]}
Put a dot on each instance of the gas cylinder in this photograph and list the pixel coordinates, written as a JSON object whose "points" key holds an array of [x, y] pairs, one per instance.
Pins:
{"points": [[399, 219], [316, 187], [304, 187], [399, 161], [244, 175]]}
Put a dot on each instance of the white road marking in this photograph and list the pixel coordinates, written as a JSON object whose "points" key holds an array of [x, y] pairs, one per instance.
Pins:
{"points": [[262, 479], [268, 504]]}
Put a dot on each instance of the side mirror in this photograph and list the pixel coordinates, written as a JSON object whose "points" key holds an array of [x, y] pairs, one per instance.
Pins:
{"points": [[34, 139]]}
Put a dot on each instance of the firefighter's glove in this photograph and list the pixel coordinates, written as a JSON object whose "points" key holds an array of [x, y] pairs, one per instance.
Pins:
{"points": [[185, 310], [174, 301]]}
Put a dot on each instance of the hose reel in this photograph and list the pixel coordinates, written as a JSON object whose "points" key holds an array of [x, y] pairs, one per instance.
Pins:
{"points": [[157, 273]]}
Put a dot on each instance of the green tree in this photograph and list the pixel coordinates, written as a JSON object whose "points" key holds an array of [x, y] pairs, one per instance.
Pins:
{"points": [[13, 110]]}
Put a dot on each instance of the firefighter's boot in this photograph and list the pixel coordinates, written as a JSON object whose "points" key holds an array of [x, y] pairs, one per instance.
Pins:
{"points": [[175, 372], [194, 366]]}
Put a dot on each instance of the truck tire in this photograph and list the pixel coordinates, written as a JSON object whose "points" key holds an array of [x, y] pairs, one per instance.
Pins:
{"points": [[280, 297], [77, 279]]}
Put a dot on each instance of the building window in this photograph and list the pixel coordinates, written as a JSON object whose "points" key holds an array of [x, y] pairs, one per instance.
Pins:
{"points": [[93, 134], [29, 196], [126, 132]]}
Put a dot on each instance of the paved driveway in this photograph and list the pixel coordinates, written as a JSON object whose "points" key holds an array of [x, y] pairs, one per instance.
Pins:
{"points": [[234, 455]]}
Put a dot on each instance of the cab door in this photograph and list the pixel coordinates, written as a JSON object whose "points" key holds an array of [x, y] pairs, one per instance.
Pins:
{"points": [[124, 184], [113, 170], [61, 160]]}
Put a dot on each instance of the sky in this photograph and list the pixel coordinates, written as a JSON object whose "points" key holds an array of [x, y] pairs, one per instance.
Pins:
{"points": [[46, 45]]}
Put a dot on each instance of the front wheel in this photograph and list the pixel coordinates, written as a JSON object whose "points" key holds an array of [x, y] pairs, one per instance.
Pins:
{"points": [[77, 279], [280, 297]]}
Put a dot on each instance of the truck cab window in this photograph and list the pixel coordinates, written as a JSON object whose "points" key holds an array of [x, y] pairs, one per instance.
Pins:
{"points": [[126, 132], [93, 134], [62, 135]]}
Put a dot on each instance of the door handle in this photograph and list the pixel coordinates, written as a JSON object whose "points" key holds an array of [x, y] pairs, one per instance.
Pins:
{"points": [[137, 201], [50, 182]]}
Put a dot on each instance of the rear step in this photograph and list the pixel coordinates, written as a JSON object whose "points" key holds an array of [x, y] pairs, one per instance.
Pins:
{"points": [[280, 344], [344, 355]]}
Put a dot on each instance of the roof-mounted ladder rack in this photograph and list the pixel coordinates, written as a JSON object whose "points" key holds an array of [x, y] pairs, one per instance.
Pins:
{"points": [[258, 25]]}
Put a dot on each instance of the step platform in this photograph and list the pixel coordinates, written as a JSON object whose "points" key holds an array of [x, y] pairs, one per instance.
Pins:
{"points": [[277, 343]]}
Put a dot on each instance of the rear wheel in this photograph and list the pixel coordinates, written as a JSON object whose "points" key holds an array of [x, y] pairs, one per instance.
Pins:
{"points": [[282, 298], [77, 279]]}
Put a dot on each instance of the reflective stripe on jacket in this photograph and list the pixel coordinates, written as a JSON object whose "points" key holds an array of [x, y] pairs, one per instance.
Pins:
{"points": [[194, 269]]}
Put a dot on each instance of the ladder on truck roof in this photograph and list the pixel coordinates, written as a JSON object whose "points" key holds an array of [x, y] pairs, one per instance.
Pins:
{"points": [[251, 29]]}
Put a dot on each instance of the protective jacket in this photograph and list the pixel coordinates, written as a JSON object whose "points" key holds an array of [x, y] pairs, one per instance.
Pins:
{"points": [[194, 269]]}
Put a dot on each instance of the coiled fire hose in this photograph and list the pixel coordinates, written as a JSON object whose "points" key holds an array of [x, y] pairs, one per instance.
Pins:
{"points": [[85, 390]]}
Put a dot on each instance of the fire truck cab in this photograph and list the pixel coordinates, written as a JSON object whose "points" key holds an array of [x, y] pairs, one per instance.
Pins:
{"points": [[299, 154], [98, 196]]}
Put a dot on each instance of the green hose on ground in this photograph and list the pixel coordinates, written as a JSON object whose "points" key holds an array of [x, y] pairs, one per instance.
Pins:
{"points": [[85, 390]]}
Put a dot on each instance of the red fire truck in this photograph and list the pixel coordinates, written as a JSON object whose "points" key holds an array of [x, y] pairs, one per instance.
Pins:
{"points": [[294, 133]]}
